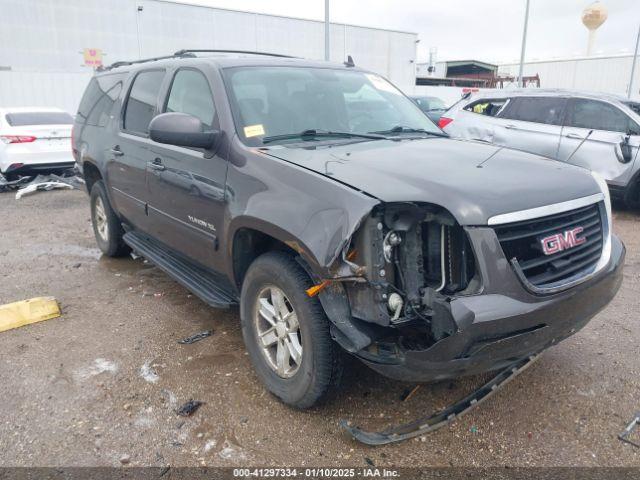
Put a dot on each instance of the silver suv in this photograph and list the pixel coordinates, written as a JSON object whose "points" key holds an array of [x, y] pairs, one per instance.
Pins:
{"points": [[596, 131]]}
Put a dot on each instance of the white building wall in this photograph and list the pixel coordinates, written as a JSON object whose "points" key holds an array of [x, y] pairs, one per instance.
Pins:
{"points": [[599, 74], [41, 41]]}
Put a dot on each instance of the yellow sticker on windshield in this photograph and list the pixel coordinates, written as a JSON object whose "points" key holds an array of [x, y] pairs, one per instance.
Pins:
{"points": [[253, 130]]}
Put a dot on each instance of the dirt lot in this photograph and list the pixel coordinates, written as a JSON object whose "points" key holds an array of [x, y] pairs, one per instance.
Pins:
{"points": [[102, 382]]}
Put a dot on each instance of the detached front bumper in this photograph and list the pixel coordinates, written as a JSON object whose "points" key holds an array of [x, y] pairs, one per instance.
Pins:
{"points": [[495, 329]]}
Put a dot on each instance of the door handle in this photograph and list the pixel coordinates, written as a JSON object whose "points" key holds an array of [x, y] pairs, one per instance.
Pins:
{"points": [[511, 127], [156, 165], [116, 151], [574, 135]]}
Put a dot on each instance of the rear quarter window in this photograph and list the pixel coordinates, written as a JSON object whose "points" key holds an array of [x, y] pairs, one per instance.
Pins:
{"points": [[99, 98], [19, 119]]}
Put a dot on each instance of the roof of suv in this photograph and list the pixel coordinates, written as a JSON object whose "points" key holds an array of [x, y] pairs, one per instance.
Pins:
{"points": [[550, 92], [225, 60]]}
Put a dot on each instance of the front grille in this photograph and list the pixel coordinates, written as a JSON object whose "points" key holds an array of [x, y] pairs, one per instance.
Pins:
{"points": [[522, 241]]}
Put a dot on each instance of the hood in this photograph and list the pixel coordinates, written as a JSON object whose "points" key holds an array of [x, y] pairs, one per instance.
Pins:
{"points": [[472, 180]]}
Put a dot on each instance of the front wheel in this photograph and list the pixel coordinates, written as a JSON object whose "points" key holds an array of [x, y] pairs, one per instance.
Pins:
{"points": [[632, 195], [287, 333]]}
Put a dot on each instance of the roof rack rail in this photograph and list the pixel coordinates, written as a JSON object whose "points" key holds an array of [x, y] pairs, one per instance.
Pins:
{"points": [[250, 52], [186, 53], [124, 63]]}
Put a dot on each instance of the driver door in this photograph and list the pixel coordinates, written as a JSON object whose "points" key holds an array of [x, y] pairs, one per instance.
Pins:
{"points": [[187, 185]]}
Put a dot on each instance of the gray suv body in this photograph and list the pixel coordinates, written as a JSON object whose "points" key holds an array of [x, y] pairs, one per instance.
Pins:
{"points": [[319, 199], [599, 132]]}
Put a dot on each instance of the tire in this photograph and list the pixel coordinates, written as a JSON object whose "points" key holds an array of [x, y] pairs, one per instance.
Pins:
{"points": [[319, 371], [106, 225], [632, 195]]}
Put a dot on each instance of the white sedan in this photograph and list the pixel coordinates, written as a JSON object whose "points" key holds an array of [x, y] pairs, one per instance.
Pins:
{"points": [[34, 140]]}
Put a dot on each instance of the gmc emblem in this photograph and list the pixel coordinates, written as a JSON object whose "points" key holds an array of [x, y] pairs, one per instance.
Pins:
{"points": [[562, 241]]}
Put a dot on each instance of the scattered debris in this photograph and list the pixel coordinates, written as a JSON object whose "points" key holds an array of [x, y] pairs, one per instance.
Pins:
{"points": [[43, 186], [189, 408], [125, 459], [25, 312], [148, 373], [473, 429], [407, 394], [369, 461], [626, 434], [100, 365], [196, 337], [68, 179], [209, 445], [6, 185], [231, 452], [432, 422]]}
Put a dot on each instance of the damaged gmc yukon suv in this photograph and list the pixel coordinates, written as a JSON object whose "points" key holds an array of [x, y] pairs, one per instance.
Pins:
{"points": [[324, 203]]}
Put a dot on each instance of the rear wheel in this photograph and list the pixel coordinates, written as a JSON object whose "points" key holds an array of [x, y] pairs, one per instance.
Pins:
{"points": [[632, 195], [106, 225], [287, 333]]}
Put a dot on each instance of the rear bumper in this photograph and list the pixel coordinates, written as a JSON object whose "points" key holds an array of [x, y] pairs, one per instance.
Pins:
{"points": [[36, 168], [494, 330]]}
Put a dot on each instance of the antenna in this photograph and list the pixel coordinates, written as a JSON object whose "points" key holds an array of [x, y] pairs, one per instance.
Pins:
{"points": [[349, 62]]}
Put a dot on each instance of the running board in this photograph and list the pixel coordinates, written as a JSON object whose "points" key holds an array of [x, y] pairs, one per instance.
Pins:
{"points": [[211, 287], [435, 421]]}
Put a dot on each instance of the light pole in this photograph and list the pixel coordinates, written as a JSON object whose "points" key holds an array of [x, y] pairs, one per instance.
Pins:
{"points": [[524, 44], [327, 31], [633, 65]]}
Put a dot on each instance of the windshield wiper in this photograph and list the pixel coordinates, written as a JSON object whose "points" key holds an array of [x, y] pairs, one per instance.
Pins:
{"points": [[313, 133], [401, 129]]}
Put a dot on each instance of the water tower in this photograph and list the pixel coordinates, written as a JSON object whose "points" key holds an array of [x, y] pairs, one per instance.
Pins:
{"points": [[593, 17]]}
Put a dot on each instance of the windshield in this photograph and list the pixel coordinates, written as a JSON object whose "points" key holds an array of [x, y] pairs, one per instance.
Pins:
{"points": [[273, 101]]}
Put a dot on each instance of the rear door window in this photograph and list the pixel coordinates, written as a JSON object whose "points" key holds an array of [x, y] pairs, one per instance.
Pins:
{"points": [[546, 110], [99, 98], [141, 103], [489, 107], [190, 93], [596, 115], [20, 119]]}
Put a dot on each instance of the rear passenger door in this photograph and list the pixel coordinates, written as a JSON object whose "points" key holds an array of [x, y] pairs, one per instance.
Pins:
{"points": [[600, 152], [532, 124], [128, 151], [187, 185]]}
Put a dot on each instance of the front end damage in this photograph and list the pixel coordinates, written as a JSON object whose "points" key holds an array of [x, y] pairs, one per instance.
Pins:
{"points": [[418, 297]]}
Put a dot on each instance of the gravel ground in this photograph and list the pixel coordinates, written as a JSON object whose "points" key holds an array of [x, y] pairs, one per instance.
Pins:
{"points": [[100, 385]]}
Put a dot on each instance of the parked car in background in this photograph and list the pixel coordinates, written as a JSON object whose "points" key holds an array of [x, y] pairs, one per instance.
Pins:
{"points": [[596, 131], [434, 107], [35, 140]]}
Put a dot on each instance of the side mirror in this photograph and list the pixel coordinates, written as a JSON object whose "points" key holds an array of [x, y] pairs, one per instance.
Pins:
{"points": [[626, 151], [181, 129]]}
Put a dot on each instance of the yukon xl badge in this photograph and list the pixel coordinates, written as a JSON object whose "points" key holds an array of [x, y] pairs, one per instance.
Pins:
{"points": [[562, 241], [202, 223]]}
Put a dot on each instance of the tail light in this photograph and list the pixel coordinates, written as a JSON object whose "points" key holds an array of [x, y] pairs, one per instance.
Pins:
{"points": [[444, 121], [17, 138]]}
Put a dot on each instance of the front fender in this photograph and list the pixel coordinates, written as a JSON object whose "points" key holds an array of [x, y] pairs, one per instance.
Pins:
{"points": [[314, 215]]}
